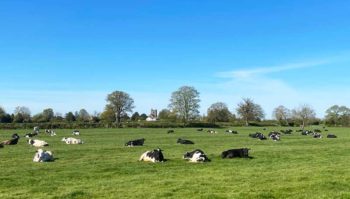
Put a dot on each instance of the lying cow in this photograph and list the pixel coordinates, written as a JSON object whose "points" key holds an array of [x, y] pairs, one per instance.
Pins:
{"points": [[288, 131], [212, 131], [43, 156], [331, 136], [36, 129], [275, 136], [50, 132], [29, 135], [171, 131], [152, 156], [76, 132], [199, 129], [72, 140], [317, 135], [181, 141], [236, 153], [258, 135], [231, 131], [138, 142], [13, 141], [196, 156], [38, 143]]}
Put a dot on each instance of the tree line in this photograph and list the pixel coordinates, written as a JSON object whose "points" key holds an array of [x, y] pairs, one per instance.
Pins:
{"points": [[183, 107]]}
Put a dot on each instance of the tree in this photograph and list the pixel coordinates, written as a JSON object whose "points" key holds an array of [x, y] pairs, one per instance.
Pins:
{"points": [[143, 116], [21, 114], [121, 103], [281, 114], [218, 112], [338, 115], [304, 113], [249, 111], [69, 117], [167, 115], [135, 116], [185, 103], [4, 117], [108, 115], [83, 116], [48, 114]]}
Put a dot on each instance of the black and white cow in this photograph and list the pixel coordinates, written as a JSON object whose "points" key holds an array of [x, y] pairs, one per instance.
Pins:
{"points": [[199, 129], [231, 131], [212, 131], [317, 135], [196, 156], [182, 141], [29, 135], [152, 156], [236, 153], [43, 156], [138, 142], [50, 132], [36, 129], [331, 136], [13, 141], [306, 132], [76, 132], [37, 143], [258, 135], [288, 131], [275, 136]]}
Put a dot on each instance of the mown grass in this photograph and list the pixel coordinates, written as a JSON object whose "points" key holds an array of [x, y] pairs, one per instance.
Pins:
{"points": [[296, 167]]}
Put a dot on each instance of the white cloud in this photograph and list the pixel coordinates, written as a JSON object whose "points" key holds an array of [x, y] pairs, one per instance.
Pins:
{"points": [[249, 73]]}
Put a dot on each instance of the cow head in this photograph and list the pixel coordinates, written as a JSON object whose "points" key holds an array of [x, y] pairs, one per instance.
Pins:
{"points": [[30, 141]]}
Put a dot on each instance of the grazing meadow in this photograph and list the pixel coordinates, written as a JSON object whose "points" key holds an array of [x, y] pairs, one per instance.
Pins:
{"points": [[296, 167]]}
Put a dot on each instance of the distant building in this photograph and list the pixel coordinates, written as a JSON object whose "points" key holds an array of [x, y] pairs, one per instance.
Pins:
{"points": [[153, 116]]}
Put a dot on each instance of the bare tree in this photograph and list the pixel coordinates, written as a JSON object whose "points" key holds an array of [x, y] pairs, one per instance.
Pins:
{"points": [[185, 103], [121, 103], [304, 113], [21, 114], [249, 111], [281, 114]]}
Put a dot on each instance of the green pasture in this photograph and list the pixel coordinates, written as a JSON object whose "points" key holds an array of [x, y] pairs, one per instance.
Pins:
{"points": [[296, 167]]}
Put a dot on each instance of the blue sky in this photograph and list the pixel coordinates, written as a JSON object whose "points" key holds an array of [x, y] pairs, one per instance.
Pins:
{"points": [[69, 55]]}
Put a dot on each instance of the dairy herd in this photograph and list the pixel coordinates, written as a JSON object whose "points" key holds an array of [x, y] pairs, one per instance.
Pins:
{"points": [[156, 155]]}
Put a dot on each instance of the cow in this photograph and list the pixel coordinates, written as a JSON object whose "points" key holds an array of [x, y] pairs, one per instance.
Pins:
{"points": [[317, 135], [29, 135], [199, 129], [288, 131], [258, 135], [76, 132], [211, 131], [36, 129], [331, 136], [13, 141], [37, 143], [50, 132], [275, 136], [152, 156], [236, 153], [181, 141], [43, 156], [170, 131], [306, 132], [231, 131], [196, 156], [138, 142], [72, 140], [317, 131]]}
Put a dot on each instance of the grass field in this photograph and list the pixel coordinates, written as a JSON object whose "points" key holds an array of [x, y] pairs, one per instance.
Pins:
{"points": [[296, 167]]}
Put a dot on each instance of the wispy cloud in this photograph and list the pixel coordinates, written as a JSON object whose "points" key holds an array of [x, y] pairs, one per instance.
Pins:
{"points": [[248, 73]]}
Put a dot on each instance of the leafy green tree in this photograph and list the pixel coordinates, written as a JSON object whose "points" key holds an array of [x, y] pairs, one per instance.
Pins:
{"points": [[121, 103], [218, 112], [249, 111], [69, 117], [143, 116], [185, 103], [338, 116], [4, 117], [48, 114], [108, 115], [135, 116]]}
